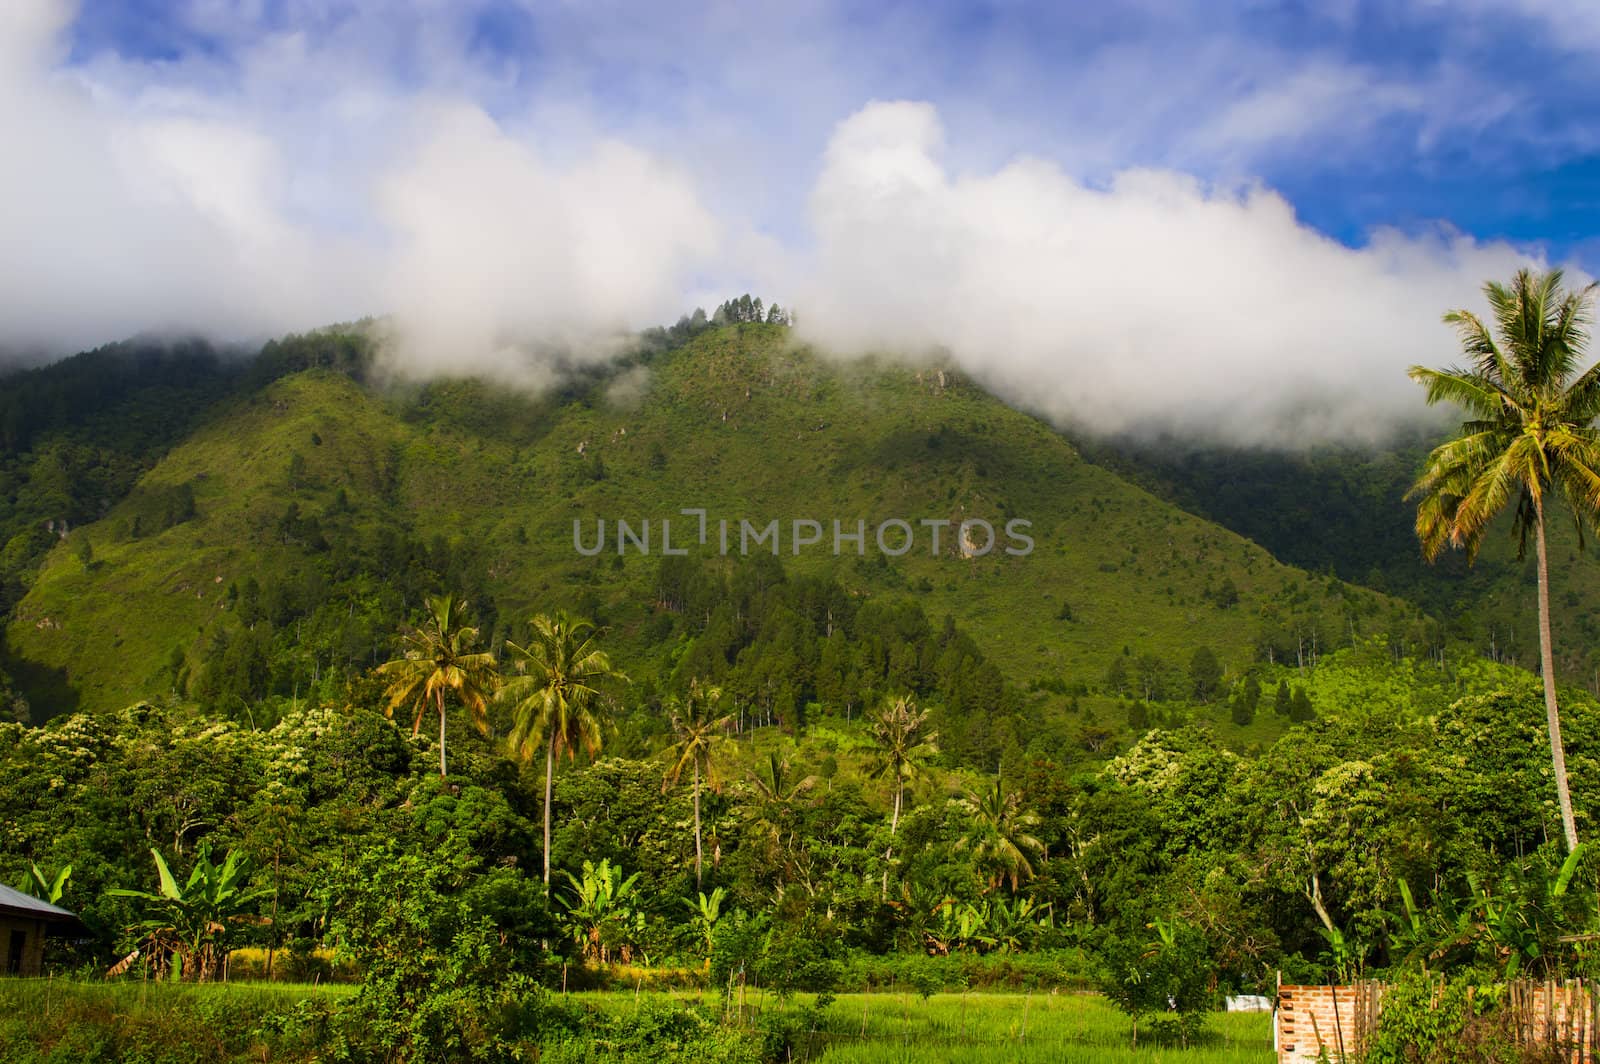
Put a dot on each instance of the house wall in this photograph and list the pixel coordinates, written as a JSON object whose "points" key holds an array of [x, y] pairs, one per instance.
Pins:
{"points": [[33, 947]]}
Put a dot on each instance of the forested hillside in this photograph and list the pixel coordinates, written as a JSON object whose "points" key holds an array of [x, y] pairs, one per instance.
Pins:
{"points": [[272, 552], [1344, 511], [1126, 605]]}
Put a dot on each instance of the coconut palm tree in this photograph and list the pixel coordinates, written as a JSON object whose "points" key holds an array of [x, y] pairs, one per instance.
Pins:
{"points": [[902, 749], [694, 730], [561, 696], [778, 791], [1529, 439], [441, 656], [778, 794], [999, 834]]}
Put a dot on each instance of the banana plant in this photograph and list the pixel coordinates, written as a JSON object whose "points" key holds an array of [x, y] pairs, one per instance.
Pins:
{"points": [[1016, 925], [600, 910], [1535, 910], [705, 911], [1347, 957], [1524, 921], [966, 927], [1411, 938], [49, 888], [185, 929]]}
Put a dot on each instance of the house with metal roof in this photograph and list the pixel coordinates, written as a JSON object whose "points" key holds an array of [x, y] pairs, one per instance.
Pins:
{"points": [[24, 922]]}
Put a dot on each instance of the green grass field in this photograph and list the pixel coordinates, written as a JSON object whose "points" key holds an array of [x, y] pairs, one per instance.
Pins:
{"points": [[906, 1029], [57, 1021]]}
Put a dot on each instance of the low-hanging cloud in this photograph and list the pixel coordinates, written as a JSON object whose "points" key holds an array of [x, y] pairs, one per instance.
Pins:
{"points": [[502, 263], [487, 251], [1153, 303], [300, 184], [115, 220]]}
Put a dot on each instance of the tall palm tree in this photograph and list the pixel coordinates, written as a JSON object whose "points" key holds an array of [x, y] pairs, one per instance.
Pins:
{"points": [[437, 657], [560, 698], [1529, 437], [694, 734], [902, 749], [778, 790], [999, 833], [778, 793]]}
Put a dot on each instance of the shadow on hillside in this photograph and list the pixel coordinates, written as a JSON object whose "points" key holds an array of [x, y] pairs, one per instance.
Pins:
{"points": [[46, 688]]}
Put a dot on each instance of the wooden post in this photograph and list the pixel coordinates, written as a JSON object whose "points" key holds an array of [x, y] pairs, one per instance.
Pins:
{"points": [[1338, 1027]]}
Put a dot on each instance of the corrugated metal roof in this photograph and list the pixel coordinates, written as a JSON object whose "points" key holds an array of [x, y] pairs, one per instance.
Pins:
{"points": [[16, 901]]}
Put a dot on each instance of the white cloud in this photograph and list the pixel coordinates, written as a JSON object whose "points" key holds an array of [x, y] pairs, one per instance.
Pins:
{"points": [[1562, 24], [115, 220], [498, 256], [1318, 101], [294, 193], [1153, 303], [505, 209]]}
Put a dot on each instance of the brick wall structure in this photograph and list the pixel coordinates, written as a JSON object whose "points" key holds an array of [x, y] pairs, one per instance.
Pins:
{"points": [[1336, 1020]]}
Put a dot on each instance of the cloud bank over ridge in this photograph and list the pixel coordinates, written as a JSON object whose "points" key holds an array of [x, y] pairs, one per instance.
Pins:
{"points": [[297, 184], [1151, 303]]}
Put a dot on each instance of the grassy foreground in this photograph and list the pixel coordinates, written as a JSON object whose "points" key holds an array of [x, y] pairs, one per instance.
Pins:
{"points": [[55, 1021], [984, 1027], [51, 1021]]}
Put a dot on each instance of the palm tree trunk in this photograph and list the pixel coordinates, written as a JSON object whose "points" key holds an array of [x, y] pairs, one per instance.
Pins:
{"points": [[1547, 666], [894, 823], [277, 880], [549, 788], [697, 825], [441, 733]]}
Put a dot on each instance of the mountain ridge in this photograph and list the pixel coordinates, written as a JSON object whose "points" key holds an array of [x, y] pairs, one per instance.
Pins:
{"points": [[293, 481]]}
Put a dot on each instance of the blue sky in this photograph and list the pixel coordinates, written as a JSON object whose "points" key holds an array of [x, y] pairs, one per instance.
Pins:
{"points": [[1069, 200], [1481, 115]]}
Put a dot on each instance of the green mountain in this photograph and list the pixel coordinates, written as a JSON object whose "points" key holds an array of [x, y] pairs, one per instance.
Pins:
{"points": [[309, 508], [1343, 510]]}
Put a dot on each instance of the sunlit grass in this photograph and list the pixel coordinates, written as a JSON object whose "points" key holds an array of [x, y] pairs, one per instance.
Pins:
{"points": [[978, 1026], [45, 1020], [58, 1021]]}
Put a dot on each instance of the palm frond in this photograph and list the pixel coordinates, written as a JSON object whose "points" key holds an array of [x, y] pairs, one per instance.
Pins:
{"points": [[1531, 422], [562, 690]]}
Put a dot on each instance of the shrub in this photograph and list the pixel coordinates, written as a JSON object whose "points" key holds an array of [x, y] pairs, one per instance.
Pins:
{"points": [[655, 1031], [1427, 1020], [802, 954], [1067, 969], [1171, 978], [441, 981]]}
